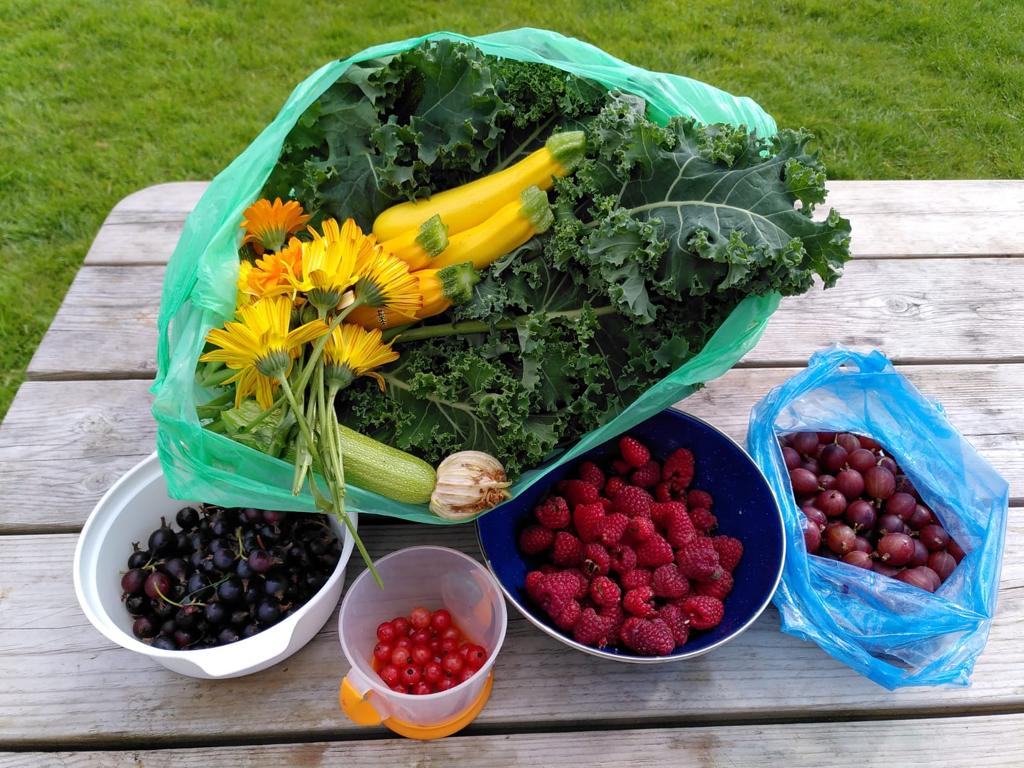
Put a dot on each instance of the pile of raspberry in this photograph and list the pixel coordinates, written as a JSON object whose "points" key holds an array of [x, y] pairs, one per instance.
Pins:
{"points": [[628, 556]]}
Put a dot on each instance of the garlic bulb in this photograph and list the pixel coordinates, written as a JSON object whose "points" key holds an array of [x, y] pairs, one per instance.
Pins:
{"points": [[468, 482]]}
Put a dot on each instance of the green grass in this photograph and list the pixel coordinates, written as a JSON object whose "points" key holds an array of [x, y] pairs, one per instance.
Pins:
{"points": [[100, 98]]}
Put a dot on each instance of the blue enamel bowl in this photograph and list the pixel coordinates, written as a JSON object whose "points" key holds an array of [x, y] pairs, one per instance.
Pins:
{"points": [[744, 504]]}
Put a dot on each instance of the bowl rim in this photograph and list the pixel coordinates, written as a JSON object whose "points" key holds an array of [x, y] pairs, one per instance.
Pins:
{"points": [[104, 623], [527, 613]]}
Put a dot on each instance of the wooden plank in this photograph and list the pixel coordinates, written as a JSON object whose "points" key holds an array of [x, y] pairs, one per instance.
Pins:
{"points": [[65, 685], [939, 310], [144, 227], [890, 219], [106, 327], [925, 743], [931, 218], [64, 443]]}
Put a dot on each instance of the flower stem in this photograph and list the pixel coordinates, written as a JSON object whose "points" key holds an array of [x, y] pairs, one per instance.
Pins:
{"points": [[338, 507], [319, 344], [478, 326]]}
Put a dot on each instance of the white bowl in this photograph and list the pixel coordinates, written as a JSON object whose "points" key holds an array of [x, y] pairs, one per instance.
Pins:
{"points": [[129, 512]]}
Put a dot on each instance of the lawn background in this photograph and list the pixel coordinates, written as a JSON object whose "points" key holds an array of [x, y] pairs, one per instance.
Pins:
{"points": [[102, 98]]}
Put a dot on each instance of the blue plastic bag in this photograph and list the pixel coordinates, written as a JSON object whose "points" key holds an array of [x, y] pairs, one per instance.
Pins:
{"points": [[893, 633]]}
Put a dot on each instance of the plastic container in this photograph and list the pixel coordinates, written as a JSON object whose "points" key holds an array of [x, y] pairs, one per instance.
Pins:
{"points": [[129, 512], [433, 577], [744, 504]]}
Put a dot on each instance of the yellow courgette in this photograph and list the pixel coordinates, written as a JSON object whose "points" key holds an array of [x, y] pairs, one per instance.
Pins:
{"points": [[417, 247], [502, 233], [440, 289], [466, 206]]}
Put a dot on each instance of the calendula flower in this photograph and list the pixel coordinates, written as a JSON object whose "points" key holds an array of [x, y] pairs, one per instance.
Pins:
{"points": [[273, 274], [260, 347], [384, 281], [328, 270], [268, 225], [353, 351]]}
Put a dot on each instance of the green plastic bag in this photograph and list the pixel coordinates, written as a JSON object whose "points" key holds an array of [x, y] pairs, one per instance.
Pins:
{"points": [[199, 287]]}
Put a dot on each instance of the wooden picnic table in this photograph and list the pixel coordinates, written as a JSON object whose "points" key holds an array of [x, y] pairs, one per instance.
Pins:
{"points": [[936, 283]]}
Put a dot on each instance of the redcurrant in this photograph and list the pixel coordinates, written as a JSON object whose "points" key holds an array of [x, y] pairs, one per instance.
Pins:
{"points": [[386, 632], [421, 655], [411, 674], [382, 652], [419, 618], [452, 663], [440, 620], [433, 673], [390, 675]]}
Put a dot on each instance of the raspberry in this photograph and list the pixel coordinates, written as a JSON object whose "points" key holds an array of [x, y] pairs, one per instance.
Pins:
{"points": [[702, 519], [640, 529], [669, 582], [534, 579], [675, 620], [703, 612], [555, 590], [582, 583], [717, 588], [679, 528], [596, 560], [638, 577], [611, 528], [697, 560], [613, 486], [631, 502], [627, 628], [662, 492], [535, 539], [678, 469], [729, 551], [697, 498], [567, 549], [589, 472], [578, 492], [586, 518], [654, 552], [634, 452], [593, 629], [615, 616], [658, 511], [621, 468], [604, 591], [606, 503], [567, 616], [648, 475], [553, 513], [640, 602], [623, 558], [649, 637]]}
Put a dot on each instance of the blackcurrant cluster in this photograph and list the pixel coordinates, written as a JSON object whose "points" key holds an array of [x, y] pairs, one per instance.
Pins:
{"points": [[225, 574]]}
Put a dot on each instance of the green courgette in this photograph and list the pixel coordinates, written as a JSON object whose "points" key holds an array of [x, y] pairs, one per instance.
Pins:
{"points": [[374, 466]]}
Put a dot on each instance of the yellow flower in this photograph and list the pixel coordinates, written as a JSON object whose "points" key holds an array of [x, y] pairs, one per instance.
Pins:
{"points": [[328, 270], [384, 281], [353, 351], [267, 225], [260, 347], [273, 273]]}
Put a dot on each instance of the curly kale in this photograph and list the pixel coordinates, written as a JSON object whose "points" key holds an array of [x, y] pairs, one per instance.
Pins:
{"points": [[659, 234]]}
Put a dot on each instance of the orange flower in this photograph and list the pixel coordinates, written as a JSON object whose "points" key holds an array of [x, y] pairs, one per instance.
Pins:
{"points": [[272, 274], [268, 225]]}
